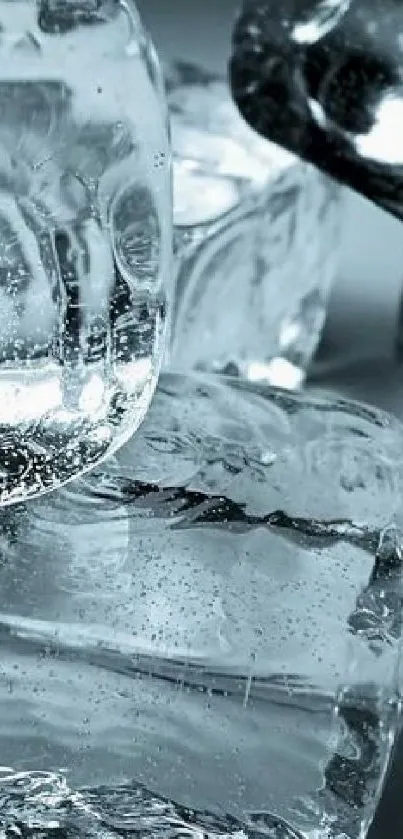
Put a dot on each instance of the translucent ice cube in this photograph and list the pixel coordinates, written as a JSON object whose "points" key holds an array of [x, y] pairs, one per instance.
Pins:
{"points": [[215, 615], [256, 241], [85, 236]]}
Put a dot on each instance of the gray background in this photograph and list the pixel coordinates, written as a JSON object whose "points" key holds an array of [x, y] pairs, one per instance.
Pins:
{"points": [[358, 352]]}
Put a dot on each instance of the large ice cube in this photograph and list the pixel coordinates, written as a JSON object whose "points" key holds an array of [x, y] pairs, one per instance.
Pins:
{"points": [[215, 614]]}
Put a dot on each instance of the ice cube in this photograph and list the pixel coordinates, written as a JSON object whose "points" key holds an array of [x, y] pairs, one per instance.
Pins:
{"points": [[215, 614], [256, 241]]}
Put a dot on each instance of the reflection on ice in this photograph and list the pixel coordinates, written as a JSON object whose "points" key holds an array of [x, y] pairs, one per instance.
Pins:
{"points": [[222, 598]]}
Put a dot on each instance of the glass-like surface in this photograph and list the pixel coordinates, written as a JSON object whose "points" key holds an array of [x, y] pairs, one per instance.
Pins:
{"points": [[85, 235], [256, 241], [202, 637]]}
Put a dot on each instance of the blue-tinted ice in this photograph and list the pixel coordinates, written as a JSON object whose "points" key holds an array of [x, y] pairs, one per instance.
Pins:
{"points": [[212, 619]]}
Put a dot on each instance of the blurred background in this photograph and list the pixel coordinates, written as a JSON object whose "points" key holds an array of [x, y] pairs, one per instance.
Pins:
{"points": [[371, 259], [358, 356]]}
